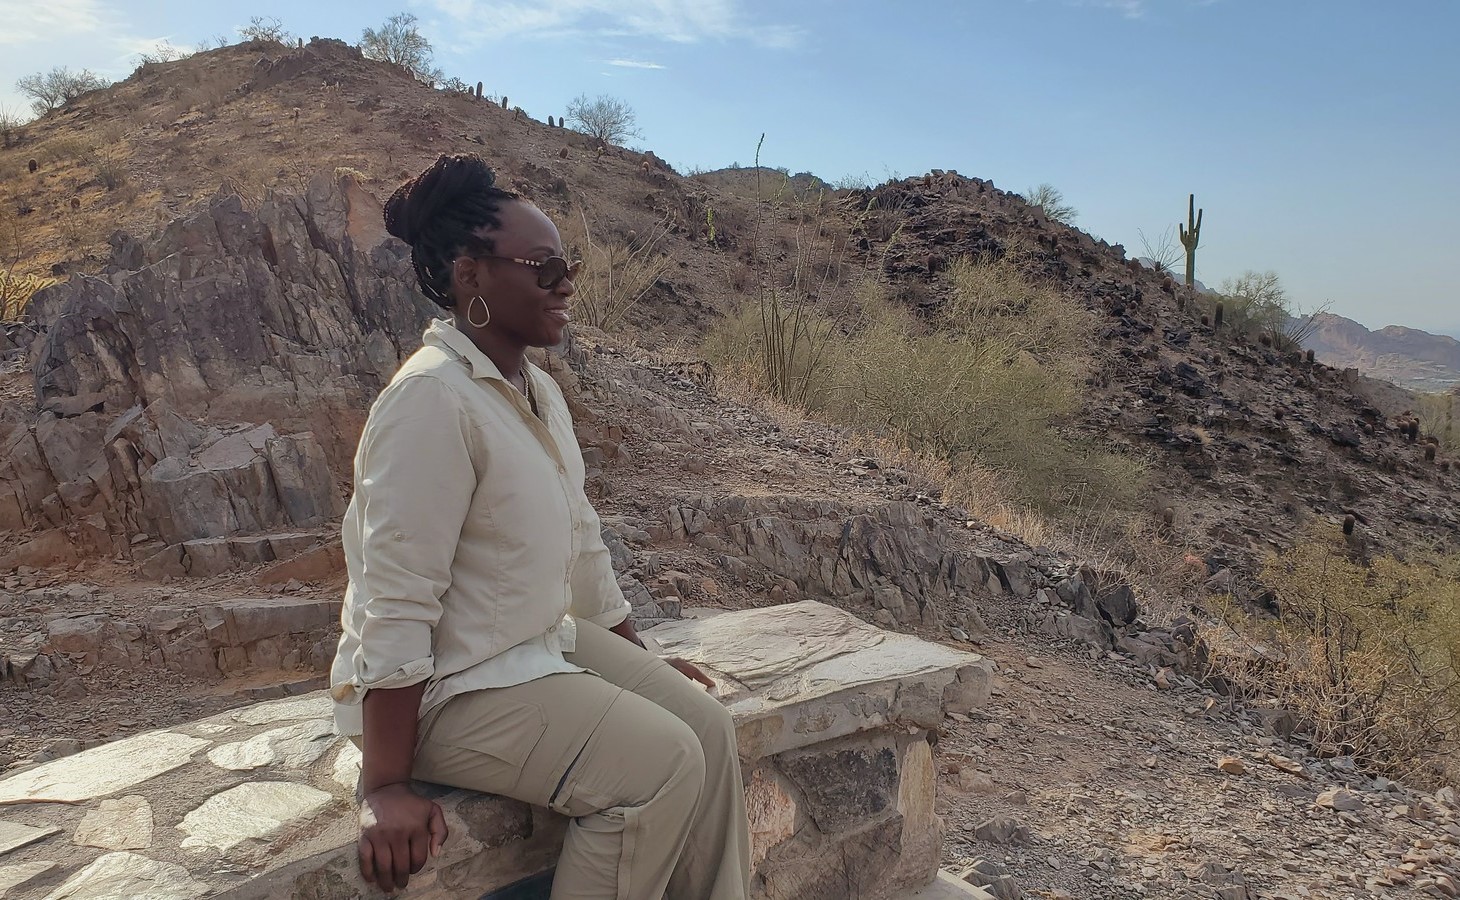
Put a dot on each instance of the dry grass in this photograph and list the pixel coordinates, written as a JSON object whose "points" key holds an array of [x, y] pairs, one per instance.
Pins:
{"points": [[17, 284], [1437, 415], [1365, 655], [618, 271]]}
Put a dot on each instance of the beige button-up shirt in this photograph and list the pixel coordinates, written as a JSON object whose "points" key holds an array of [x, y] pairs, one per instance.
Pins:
{"points": [[469, 542]]}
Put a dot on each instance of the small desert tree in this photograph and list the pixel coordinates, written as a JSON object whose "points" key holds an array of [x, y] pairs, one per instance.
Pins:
{"points": [[400, 42], [54, 89], [1258, 303], [265, 28], [162, 52], [1049, 199], [609, 119], [10, 123]]}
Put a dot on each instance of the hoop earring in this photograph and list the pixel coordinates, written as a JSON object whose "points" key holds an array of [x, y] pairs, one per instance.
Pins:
{"points": [[474, 323]]}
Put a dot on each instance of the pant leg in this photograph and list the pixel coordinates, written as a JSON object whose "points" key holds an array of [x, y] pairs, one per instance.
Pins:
{"points": [[715, 864], [627, 771]]}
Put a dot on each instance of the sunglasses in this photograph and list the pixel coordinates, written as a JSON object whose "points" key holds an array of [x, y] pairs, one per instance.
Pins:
{"points": [[550, 272]]}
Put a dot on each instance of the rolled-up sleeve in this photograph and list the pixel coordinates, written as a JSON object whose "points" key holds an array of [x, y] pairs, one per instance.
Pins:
{"points": [[414, 479], [596, 594]]}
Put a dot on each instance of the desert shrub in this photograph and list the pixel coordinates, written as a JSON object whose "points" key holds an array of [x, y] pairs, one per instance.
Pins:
{"points": [[65, 149], [1052, 203], [1164, 253], [54, 89], [16, 285], [606, 118], [618, 271], [794, 327], [1437, 414], [1257, 303], [985, 382], [1365, 654], [780, 347], [400, 42], [162, 52], [263, 28], [110, 168], [16, 291], [10, 127], [983, 385]]}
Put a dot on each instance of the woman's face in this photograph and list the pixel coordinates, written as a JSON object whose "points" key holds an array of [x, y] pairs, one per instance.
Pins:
{"points": [[522, 312]]}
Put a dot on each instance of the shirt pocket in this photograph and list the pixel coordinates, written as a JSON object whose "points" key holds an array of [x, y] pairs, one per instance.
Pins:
{"points": [[482, 742]]}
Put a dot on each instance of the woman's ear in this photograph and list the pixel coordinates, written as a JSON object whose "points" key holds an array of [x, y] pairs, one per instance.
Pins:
{"points": [[469, 274]]}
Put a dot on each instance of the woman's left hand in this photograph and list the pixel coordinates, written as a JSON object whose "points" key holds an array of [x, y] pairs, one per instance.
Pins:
{"points": [[691, 671]]}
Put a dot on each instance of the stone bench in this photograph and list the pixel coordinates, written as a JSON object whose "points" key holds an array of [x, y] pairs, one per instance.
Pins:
{"points": [[833, 717]]}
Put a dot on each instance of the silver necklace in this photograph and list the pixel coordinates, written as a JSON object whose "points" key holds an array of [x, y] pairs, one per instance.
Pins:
{"points": [[527, 391]]}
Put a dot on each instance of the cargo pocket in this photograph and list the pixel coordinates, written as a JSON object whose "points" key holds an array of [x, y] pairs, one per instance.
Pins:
{"points": [[481, 745]]}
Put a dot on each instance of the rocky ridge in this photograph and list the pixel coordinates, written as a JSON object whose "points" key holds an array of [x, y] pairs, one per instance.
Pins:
{"points": [[1409, 357], [1245, 443]]}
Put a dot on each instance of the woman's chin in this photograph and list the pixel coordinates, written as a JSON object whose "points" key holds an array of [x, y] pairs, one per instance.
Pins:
{"points": [[552, 335]]}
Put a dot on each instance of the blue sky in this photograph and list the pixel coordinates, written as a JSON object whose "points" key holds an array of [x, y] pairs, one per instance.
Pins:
{"points": [[1320, 136]]}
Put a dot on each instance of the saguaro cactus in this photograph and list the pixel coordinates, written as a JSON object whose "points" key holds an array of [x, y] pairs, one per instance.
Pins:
{"points": [[1190, 235]]}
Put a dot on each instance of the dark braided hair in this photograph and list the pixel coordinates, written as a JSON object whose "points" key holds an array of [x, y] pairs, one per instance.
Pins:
{"points": [[438, 212]]}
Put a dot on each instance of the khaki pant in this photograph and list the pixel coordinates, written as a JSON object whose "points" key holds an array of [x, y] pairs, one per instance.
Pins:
{"points": [[641, 758]]}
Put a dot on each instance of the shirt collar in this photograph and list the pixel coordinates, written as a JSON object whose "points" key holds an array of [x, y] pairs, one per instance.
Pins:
{"points": [[443, 334]]}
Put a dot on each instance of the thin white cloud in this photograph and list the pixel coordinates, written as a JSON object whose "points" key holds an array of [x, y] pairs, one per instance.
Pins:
{"points": [[1137, 9], [674, 21], [632, 64], [27, 22], [1130, 9]]}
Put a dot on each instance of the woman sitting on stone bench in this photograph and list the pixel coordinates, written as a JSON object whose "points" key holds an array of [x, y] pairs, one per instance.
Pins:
{"points": [[486, 643]]}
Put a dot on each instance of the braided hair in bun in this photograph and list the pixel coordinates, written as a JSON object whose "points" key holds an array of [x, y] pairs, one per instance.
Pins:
{"points": [[438, 213]]}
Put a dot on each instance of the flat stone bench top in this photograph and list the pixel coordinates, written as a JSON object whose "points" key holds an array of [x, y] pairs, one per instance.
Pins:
{"points": [[259, 801]]}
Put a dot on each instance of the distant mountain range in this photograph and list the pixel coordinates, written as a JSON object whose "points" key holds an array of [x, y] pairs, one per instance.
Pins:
{"points": [[1408, 357]]}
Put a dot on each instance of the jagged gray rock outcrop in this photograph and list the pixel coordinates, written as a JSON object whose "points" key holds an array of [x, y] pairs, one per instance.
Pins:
{"points": [[894, 557], [211, 381]]}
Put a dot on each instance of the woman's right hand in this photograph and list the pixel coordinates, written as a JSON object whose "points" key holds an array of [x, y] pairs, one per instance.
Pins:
{"points": [[399, 829]]}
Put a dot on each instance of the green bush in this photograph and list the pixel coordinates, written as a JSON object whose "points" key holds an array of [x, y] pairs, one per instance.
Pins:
{"points": [[986, 382]]}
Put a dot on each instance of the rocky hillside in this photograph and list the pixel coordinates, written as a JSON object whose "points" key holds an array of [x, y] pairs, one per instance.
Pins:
{"points": [[178, 414], [1244, 442], [1410, 358]]}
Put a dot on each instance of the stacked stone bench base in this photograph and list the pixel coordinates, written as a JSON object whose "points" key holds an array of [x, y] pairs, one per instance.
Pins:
{"points": [[833, 718]]}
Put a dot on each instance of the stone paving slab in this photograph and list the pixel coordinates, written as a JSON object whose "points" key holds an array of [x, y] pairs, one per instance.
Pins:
{"points": [[807, 672], [13, 837], [259, 802], [947, 886]]}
